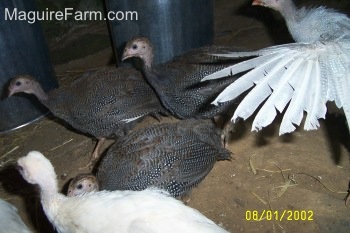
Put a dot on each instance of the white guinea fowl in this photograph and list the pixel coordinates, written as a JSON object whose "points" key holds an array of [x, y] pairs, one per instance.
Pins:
{"points": [[151, 210], [10, 222], [306, 74]]}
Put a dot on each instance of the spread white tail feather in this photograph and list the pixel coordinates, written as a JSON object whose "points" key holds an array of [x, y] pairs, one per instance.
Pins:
{"points": [[305, 75]]}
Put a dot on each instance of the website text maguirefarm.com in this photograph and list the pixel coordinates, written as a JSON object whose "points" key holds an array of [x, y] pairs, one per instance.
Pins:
{"points": [[68, 13]]}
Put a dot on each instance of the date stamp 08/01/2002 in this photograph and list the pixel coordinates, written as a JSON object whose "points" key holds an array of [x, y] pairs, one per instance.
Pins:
{"points": [[279, 215]]}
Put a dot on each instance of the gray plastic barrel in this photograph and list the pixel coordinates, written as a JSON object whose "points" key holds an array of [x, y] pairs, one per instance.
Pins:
{"points": [[23, 50], [173, 26]]}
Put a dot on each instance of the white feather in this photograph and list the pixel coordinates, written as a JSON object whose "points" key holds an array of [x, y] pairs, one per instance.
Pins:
{"points": [[299, 102], [317, 108], [339, 68], [10, 222], [249, 79], [316, 73], [128, 120], [271, 71], [243, 66], [280, 97]]}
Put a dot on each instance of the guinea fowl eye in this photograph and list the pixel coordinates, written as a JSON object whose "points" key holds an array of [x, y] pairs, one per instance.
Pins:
{"points": [[80, 186], [18, 83], [134, 46], [19, 168]]}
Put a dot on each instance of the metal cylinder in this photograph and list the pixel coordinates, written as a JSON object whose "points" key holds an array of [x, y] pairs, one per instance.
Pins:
{"points": [[23, 50], [173, 26]]}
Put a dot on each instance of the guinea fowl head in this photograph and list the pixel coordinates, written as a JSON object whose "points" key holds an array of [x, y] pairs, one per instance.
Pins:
{"points": [[26, 84], [36, 169], [82, 183], [21, 83], [139, 47]]}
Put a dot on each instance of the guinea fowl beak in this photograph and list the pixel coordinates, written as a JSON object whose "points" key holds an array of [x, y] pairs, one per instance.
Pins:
{"points": [[11, 92], [126, 55], [257, 3]]}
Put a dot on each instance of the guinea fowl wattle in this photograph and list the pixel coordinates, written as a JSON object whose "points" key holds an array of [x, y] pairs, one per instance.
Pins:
{"points": [[306, 74], [102, 103], [177, 82], [150, 210], [171, 156]]}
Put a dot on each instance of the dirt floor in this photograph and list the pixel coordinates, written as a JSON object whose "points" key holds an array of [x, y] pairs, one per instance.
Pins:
{"points": [[304, 175]]}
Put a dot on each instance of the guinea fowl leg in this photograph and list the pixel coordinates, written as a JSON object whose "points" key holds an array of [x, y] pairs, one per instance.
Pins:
{"points": [[227, 129], [95, 154]]}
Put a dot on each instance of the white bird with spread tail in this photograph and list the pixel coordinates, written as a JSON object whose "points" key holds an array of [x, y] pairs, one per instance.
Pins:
{"points": [[306, 74]]}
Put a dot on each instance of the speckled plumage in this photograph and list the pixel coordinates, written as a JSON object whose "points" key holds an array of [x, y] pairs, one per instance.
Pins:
{"points": [[172, 156], [100, 102], [177, 82]]}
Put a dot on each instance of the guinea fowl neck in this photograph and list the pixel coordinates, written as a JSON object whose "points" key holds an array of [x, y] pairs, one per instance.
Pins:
{"points": [[289, 11], [150, 70], [293, 17], [48, 191], [148, 60], [39, 92], [51, 203], [156, 75]]}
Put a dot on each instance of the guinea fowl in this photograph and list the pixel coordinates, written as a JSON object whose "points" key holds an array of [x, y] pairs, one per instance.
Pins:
{"points": [[10, 222], [102, 103], [177, 83], [171, 156], [150, 210], [82, 183], [306, 74]]}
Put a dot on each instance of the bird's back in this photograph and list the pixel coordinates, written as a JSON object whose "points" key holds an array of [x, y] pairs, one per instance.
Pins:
{"points": [[101, 102], [179, 87], [317, 24], [173, 156], [130, 211]]}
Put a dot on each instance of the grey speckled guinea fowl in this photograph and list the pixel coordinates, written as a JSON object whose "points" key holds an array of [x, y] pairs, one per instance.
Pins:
{"points": [[102, 103], [178, 82], [171, 156]]}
